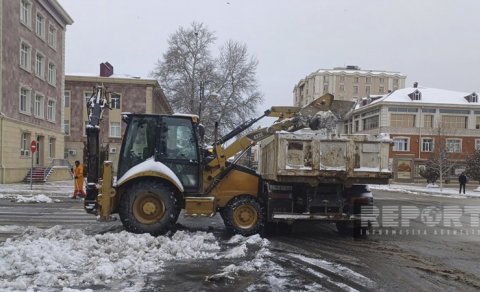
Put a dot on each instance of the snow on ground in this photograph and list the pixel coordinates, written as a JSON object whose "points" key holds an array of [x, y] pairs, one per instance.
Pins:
{"points": [[428, 189], [56, 258], [41, 198], [69, 258]]}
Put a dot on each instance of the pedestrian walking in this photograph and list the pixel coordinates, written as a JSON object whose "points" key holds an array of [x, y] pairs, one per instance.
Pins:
{"points": [[462, 180], [78, 180]]}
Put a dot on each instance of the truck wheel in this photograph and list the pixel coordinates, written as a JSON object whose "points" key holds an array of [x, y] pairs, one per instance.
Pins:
{"points": [[244, 216], [148, 207]]}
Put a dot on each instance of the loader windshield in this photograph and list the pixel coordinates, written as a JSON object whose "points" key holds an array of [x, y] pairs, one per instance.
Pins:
{"points": [[139, 143]]}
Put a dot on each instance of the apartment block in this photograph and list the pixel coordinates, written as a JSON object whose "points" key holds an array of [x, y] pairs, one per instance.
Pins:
{"points": [[32, 56], [421, 120], [346, 83], [125, 93]]}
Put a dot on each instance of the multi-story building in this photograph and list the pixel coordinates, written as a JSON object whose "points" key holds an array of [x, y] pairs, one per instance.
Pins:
{"points": [[125, 93], [346, 83], [32, 52], [421, 121]]}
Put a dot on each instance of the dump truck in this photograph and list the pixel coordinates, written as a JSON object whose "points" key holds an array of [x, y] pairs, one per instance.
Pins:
{"points": [[313, 176], [164, 168]]}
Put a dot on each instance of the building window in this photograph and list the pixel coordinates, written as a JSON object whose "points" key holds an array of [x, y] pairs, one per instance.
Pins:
{"points": [[400, 144], [51, 148], [370, 123], [367, 90], [25, 55], [87, 96], [453, 145], [115, 129], [428, 121], [416, 95], [25, 145], [342, 79], [115, 101], [52, 74], [66, 98], [38, 108], [477, 123], [25, 100], [25, 8], [40, 65], [427, 145], [325, 88], [357, 126], [454, 122], [66, 127], [381, 89], [395, 82], [342, 88], [52, 36], [368, 80], [355, 89], [477, 144], [381, 80], [355, 79], [51, 110], [472, 97], [402, 120], [40, 26]]}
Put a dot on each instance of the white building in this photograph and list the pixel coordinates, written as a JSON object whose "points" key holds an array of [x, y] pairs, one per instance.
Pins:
{"points": [[346, 83]]}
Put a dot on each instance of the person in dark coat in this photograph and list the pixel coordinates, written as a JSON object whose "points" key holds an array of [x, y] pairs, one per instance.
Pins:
{"points": [[462, 180]]}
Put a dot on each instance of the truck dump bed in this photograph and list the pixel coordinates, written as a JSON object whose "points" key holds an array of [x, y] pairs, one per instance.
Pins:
{"points": [[309, 157]]}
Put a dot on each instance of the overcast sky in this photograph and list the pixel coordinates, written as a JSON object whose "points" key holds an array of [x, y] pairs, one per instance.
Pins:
{"points": [[434, 42]]}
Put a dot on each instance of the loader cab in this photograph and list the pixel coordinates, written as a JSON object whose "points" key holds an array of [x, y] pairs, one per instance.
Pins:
{"points": [[171, 140]]}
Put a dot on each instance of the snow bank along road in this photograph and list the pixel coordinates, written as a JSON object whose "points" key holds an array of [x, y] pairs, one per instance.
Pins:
{"points": [[49, 243]]}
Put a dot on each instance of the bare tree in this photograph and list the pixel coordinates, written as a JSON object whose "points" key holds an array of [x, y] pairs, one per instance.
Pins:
{"points": [[473, 166], [222, 89], [441, 161]]}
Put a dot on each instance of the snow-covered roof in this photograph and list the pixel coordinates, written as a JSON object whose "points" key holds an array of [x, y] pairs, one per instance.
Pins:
{"points": [[428, 95], [360, 72], [124, 76]]}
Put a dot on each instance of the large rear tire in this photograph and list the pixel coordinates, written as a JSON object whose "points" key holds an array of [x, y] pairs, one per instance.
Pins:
{"points": [[148, 207], [244, 216]]}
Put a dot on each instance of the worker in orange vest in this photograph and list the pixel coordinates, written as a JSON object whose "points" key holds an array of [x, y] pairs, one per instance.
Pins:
{"points": [[78, 175]]}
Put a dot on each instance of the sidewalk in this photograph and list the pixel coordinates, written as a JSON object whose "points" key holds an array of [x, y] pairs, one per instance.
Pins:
{"points": [[53, 190], [450, 190]]}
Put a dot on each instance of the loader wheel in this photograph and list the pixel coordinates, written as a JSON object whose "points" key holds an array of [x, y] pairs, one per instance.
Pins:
{"points": [[244, 216], [148, 207]]}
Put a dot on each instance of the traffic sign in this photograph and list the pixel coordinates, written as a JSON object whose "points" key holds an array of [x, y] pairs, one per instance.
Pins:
{"points": [[33, 146]]}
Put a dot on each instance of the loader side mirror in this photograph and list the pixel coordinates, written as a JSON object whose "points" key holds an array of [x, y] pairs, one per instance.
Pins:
{"points": [[201, 133]]}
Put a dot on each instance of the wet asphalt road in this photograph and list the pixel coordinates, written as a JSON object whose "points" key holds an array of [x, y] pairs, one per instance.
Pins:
{"points": [[398, 255]]}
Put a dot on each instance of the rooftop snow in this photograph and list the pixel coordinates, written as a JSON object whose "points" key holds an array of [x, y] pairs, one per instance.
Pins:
{"points": [[432, 96]]}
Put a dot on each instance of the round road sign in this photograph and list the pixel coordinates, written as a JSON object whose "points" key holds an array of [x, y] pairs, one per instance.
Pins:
{"points": [[33, 146]]}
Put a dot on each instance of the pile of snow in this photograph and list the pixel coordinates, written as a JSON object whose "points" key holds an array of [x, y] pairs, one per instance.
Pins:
{"points": [[41, 198], [34, 199], [69, 258]]}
